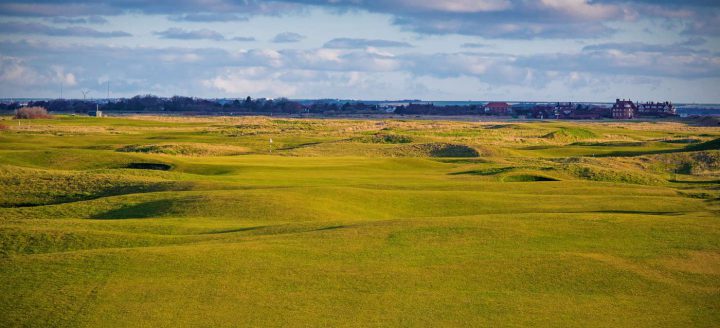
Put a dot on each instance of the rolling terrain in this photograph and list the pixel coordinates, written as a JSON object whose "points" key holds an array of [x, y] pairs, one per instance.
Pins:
{"points": [[256, 221]]}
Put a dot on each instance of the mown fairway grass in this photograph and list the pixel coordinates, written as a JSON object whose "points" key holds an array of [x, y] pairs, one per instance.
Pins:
{"points": [[169, 222]]}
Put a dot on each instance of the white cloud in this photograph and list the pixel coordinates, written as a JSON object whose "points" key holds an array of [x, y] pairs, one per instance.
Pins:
{"points": [[183, 34], [583, 9], [251, 81], [361, 73], [181, 58], [288, 37], [458, 6], [13, 70]]}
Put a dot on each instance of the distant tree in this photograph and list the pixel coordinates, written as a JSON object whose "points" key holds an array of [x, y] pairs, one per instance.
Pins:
{"points": [[32, 113], [10, 106]]}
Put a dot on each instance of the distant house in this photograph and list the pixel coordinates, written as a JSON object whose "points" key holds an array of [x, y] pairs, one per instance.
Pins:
{"points": [[497, 108], [623, 109], [526, 110], [659, 109], [544, 111]]}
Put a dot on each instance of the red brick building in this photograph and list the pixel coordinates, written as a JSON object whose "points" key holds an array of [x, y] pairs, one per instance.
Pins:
{"points": [[623, 109], [497, 108], [658, 109]]}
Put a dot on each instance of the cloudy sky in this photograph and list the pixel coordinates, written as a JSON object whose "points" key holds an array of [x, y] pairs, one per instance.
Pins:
{"points": [[545, 50]]}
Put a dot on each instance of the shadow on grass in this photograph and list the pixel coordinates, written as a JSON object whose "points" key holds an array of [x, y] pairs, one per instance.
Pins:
{"points": [[140, 211], [609, 144], [639, 212], [491, 171], [149, 166], [331, 228], [528, 178], [460, 160], [113, 191], [307, 144], [708, 145], [217, 232], [700, 182]]}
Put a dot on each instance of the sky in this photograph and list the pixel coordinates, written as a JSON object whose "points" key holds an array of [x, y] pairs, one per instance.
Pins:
{"points": [[511, 50]]}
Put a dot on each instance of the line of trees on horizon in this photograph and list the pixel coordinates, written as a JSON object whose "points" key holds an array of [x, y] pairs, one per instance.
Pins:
{"points": [[179, 104], [200, 106]]}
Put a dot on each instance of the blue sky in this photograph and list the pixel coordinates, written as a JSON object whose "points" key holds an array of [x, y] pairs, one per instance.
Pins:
{"points": [[546, 50]]}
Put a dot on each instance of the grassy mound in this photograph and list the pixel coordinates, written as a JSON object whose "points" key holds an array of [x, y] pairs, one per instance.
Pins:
{"points": [[31, 187], [603, 173], [248, 205], [434, 150], [571, 134], [187, 149], [701, 162], [69, 159], [383, 138]]}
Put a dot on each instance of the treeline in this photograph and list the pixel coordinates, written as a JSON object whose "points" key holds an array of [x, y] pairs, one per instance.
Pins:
{"points": [[330, 108], [178, 104], [154, 104], [430, 109], [12, 106]]}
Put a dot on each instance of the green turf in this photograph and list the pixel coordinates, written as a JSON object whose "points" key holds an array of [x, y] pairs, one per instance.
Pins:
{"points": [[203, 222]]}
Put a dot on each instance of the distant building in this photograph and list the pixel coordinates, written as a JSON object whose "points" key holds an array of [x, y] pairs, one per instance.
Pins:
{"points": [[96, 113], [497, 108], [623, 109], [659, 109], [545, 111], [591, 112]]}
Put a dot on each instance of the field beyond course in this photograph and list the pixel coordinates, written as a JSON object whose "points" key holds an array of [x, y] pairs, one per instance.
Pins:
{"points": [[258, 221]]}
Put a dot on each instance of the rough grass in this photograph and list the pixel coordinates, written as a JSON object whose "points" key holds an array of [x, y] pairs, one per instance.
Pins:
{"points": [[695, 163], [186, 149], [597, 171], [326, 228], [434, 150], [32, 187], [571, 133], [387, 138]]}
